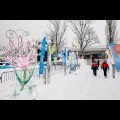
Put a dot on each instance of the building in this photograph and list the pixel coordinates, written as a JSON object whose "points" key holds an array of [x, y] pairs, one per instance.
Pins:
{"points": [[38, 46], [97, 52]]}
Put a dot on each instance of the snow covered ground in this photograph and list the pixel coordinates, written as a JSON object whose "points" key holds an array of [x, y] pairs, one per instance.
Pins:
{"points": [[83, 86]]}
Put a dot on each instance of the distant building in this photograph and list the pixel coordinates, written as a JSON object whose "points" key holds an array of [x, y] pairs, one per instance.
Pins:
{"points": [[38, 46], [97, 52]]}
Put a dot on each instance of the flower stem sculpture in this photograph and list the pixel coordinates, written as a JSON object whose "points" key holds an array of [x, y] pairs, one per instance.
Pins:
{"points": [[21, 55]]}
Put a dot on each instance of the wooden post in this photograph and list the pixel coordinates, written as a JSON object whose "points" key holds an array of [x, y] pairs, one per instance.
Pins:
{"points": [[49, 63], [1, 79], [55, 66], [45, 76], [113, 70], [64, 70]]}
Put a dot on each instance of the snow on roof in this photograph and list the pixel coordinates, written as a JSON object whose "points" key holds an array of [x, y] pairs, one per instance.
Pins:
{"points": [[90, 49]]}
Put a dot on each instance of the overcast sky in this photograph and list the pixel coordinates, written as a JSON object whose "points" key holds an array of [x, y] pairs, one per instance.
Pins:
{"points": [[37, 29]]}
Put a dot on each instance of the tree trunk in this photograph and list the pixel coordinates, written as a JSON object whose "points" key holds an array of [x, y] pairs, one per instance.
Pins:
{"points": [[65, 70], [57, 51], [82, 55]]}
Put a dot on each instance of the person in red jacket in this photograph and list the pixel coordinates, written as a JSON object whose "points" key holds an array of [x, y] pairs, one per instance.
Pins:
{"points": [[105, 67], [94, 67]]}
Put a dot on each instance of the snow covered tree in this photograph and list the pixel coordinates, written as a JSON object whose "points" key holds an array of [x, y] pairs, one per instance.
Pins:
{"points": [[85, 34], [57, 30], [111, 31]]}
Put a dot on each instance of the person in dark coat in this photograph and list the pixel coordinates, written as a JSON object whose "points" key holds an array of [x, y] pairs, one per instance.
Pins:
{"points": [[98, 62], [94, 67], [93, 58], [105, 67]]}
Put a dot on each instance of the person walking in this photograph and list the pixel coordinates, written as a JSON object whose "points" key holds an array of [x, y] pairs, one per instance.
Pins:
{"points": [[98, 62], [93, 58], [105, 67], [94, 67]]}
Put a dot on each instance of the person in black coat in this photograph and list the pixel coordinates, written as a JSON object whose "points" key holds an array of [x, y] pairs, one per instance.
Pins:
{"points": [[105, 67], [98, 62], [93, 58], [94, 67]]}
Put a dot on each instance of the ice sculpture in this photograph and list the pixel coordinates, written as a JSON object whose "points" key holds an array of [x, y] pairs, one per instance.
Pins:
{"points": [[21, 55], [114, 50]]}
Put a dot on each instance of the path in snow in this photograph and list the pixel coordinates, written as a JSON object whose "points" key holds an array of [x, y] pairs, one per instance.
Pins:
{"points": [[83, 86]]}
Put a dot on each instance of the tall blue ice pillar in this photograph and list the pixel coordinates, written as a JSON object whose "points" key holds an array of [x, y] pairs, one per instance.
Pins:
{"points": [[42, 54]]}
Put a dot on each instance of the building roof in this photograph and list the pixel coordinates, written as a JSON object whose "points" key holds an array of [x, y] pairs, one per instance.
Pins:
{"points": [[90, 49]]}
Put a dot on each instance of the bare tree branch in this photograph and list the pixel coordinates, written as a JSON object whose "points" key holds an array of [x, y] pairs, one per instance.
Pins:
{"points": [[111, 31], [85, 35], [57, 30]]}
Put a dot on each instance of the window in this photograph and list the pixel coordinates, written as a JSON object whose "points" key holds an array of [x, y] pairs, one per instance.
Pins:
{"points": [[38, 51]]}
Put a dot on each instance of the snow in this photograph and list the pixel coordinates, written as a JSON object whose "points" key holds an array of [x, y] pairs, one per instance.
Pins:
{"points": [[83, 86]]}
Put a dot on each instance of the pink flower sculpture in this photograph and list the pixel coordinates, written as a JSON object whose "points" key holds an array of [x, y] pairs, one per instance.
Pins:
{"points": [[21, 56]]}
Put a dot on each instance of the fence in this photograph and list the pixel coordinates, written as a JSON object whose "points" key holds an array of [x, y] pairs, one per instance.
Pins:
{"points": [[10, 75]]}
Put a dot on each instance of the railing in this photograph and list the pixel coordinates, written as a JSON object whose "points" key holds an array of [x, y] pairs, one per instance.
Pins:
{"points": [[10, 75], [7, 76]]}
